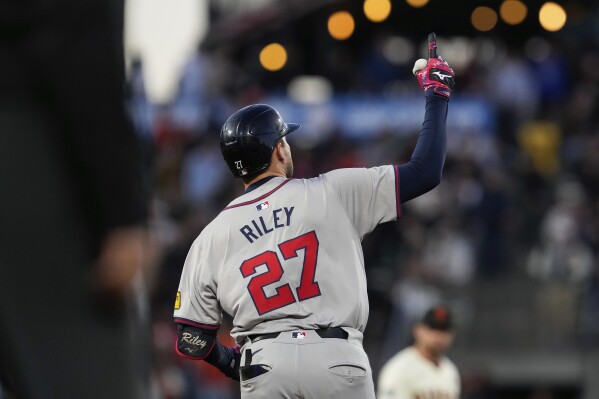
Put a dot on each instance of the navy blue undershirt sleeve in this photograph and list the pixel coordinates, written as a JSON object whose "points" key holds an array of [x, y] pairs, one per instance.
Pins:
{"points": [[225, 359], [423, 171]]}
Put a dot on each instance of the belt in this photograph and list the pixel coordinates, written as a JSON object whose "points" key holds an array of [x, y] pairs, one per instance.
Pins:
{"points": [[331, 332]]}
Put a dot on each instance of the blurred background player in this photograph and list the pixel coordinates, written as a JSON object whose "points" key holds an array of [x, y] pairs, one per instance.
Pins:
{"points": [[72, 207], [422, 371]]}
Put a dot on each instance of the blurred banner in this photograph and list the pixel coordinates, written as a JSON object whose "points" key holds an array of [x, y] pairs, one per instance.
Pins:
{"points": [[363, 117]]}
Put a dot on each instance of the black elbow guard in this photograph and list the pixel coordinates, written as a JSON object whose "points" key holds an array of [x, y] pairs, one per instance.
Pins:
{"points": [[195, 343]]}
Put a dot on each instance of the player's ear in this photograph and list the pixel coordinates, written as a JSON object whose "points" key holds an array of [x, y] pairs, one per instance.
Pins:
{"points": [[279, 151]]}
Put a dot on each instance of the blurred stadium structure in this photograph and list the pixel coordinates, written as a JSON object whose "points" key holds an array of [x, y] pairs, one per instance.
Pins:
{"points": [[510, 238]]}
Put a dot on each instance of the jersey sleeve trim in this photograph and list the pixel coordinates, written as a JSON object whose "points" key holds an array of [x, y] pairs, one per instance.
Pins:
{"points": [[397, 196], [192, 323], [260, 198]]}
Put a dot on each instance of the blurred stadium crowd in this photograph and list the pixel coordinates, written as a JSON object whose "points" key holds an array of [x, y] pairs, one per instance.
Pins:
{"points": [[509, 238]]}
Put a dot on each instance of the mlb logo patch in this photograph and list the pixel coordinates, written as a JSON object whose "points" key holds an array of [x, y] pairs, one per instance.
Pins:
{"points": [[263, 205], [298, 335]]}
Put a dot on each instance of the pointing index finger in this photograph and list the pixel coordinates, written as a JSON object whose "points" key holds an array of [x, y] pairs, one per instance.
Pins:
{"points": [[432, 45]]}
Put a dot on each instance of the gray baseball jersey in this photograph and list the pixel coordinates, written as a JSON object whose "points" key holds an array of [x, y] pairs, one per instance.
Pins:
{"points": [[287, 255]]}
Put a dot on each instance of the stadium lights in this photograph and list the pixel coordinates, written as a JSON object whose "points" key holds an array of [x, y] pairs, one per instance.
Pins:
{"points": [[483, 18], [398, 50], [513, 12], [552, 16], [310, 90], [377, 10], [417, 3], [537, 49], [273, 57], [341, 25]]}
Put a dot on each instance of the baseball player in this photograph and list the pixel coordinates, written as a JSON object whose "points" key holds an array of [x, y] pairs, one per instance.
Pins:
{"points": [[422, 371], [285, 258]]}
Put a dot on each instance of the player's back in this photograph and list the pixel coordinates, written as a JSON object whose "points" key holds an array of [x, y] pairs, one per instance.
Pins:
{"points": [[287, 254], [293, 259]]}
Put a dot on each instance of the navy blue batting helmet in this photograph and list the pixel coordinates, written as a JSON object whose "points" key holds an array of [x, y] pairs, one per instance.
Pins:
{"points": [[249, 136]]}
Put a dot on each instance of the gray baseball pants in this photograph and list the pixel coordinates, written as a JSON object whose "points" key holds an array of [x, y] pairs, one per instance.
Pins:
{"points": [[305, 366]]}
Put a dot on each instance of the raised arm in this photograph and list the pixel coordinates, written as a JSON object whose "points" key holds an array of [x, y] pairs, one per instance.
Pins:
{"points": [[423, 171]]}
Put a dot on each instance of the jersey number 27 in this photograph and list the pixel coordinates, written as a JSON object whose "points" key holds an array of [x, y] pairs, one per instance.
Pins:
{"points": [[307, 289]]}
